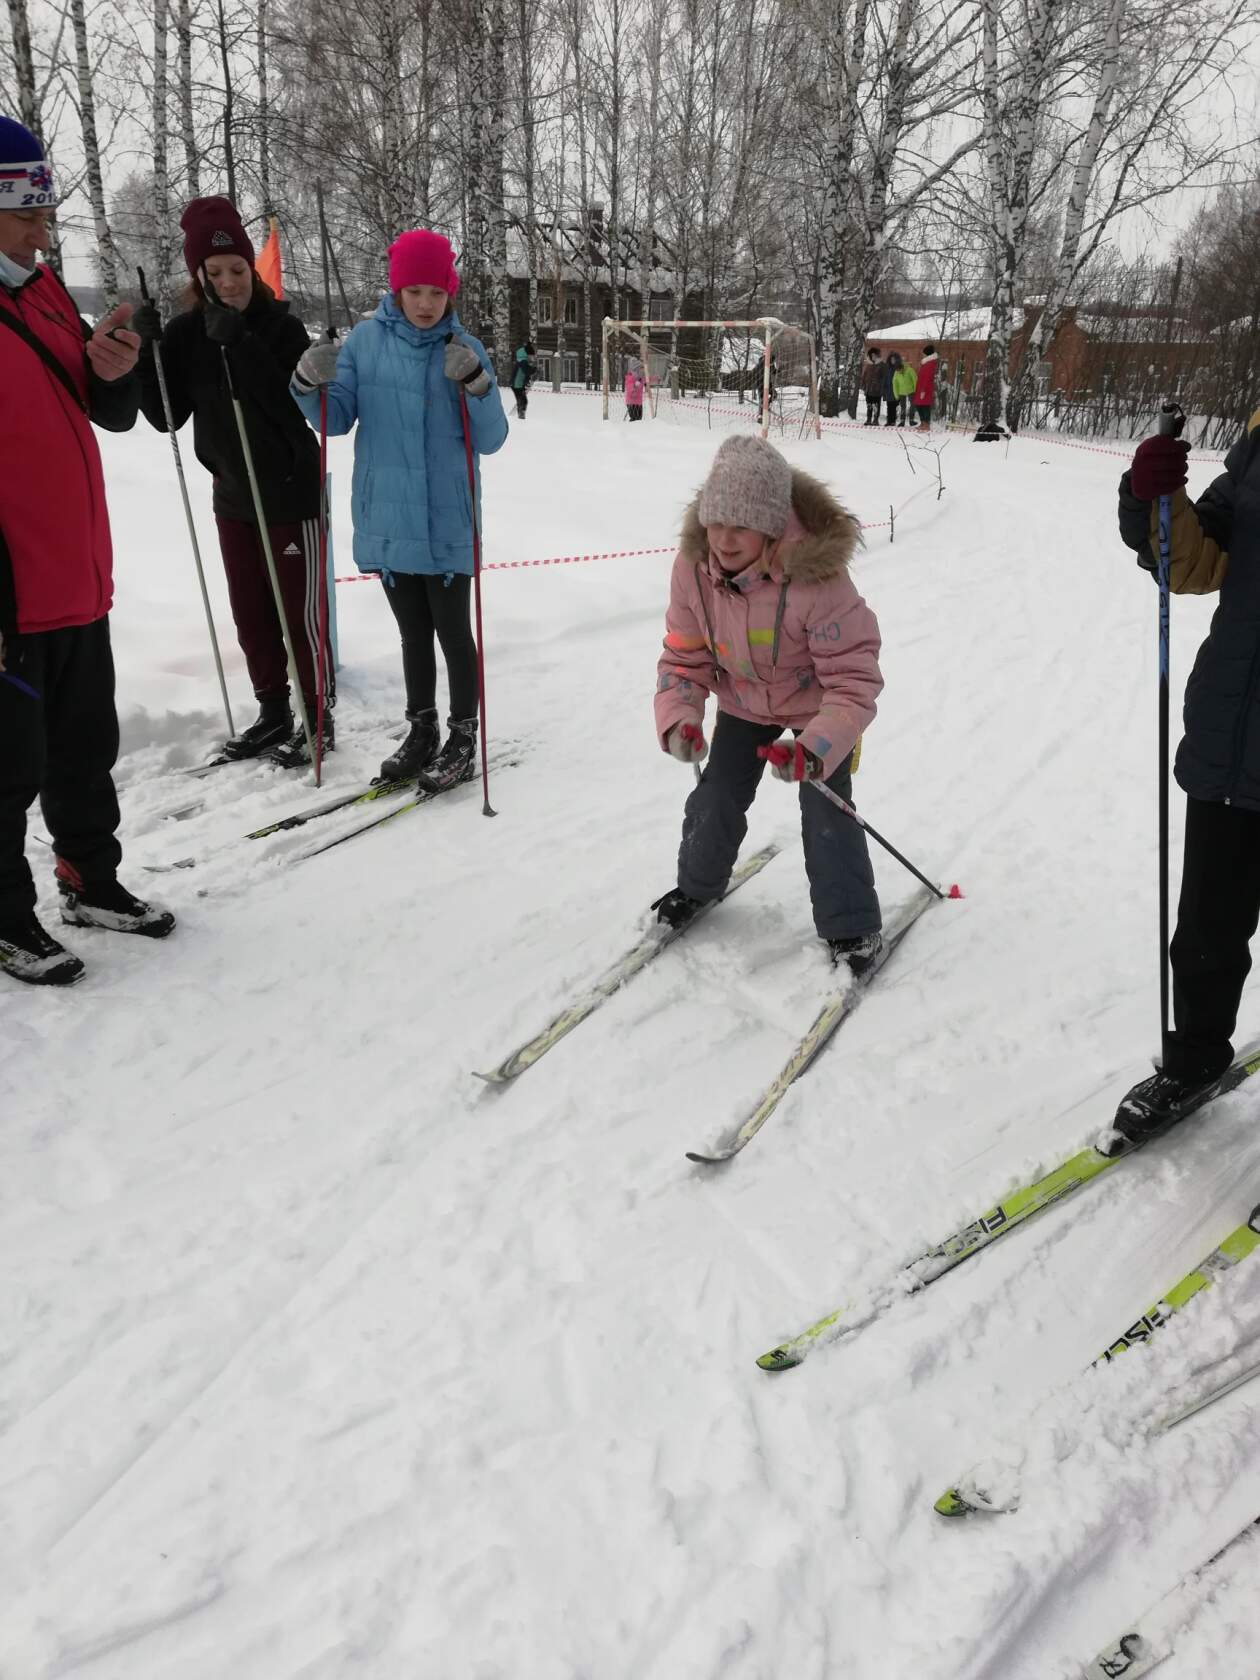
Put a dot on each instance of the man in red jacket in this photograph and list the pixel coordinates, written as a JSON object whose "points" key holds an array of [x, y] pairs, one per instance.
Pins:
{"points": [[58, 722]]}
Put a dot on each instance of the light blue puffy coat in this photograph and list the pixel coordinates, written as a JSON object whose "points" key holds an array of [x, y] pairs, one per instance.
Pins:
{"points": [[409, 502]]}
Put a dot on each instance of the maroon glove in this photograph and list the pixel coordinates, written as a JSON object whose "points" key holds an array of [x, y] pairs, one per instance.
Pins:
{"points": [[1159, 468], [791, 762]]}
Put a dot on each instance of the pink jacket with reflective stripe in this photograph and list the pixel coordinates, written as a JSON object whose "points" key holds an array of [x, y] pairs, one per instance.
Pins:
{"points": [[788, 641]]}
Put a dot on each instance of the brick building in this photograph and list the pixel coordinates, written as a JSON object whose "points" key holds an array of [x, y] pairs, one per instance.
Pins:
{"points": [[1090, 351]]}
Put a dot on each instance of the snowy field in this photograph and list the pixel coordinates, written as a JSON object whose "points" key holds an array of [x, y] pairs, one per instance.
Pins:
{"points": [[321, 1361]]}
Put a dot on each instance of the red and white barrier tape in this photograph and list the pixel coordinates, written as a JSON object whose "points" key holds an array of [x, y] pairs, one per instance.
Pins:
{"points": [[552, 560], [611, 554]]}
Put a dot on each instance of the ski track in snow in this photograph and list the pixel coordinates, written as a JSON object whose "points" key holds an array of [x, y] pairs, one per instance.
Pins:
{"points": [[320, 1360]]}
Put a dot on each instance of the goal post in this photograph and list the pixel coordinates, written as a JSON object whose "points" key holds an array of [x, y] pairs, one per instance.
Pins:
{"points": [[784, 357]]}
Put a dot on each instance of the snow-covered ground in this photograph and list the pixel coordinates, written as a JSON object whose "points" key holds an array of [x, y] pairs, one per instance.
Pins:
{"points": [[319, 1360]]}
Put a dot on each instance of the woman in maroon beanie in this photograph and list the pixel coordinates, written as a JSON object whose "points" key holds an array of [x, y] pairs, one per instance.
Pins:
{"points": [[228, 309]]}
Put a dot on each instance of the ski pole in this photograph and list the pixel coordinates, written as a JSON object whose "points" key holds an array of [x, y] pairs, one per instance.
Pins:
{"points": [[487, 810], [265, 535], [843, 805], [1171, 420], [321, 675], [192, 529], [321, 664], [875, 835]]}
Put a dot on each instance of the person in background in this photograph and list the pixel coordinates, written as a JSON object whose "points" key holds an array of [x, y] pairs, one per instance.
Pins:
{"points": [[873, 385], [58, 718], [634, 384], [925, 387], [892, 367], [762, 611], [904, 382], [524, 372], [411, 379], [1215, 548], [229, 310]]}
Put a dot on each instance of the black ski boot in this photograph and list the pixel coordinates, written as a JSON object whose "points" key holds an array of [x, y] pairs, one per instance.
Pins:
{"points": [[273, 725], [859, 952], [294, 753], [110, 906], [29, 953], [676, 909], [1157, 1103], [417, 752], [457, 760]]}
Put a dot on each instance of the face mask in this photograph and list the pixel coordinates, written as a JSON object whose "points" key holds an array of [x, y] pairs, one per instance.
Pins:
{"points": [[12, 273]]}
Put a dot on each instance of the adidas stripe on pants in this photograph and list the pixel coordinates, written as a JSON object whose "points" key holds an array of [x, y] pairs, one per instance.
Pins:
{"points": [[296, 550]]}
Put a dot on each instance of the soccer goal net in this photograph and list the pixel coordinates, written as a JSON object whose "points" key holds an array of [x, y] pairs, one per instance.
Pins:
{"points": [[715, 373]]}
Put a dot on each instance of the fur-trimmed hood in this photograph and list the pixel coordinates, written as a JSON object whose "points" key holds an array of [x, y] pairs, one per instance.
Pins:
{"points": [[821, 538]]}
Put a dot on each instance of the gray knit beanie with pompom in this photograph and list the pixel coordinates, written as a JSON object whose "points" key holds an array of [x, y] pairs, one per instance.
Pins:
{"points": [[749, 484]]}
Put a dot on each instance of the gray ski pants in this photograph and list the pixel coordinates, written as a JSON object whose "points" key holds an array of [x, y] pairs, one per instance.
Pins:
{"points": [[841, 881]]}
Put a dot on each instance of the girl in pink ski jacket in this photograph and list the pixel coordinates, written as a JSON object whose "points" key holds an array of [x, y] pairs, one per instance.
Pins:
{"points": [[634, 390], [763, 614]]}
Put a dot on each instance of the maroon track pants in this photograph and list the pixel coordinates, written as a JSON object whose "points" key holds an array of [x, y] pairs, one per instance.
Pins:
{"points": [[296, 551]]}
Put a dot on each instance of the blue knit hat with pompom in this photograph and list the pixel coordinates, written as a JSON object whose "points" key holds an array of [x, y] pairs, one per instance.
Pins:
{"points": [[26, 181]]}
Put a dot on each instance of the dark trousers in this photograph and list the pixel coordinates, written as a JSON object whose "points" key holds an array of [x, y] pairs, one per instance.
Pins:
{"points": [[924, 411], [891, 405], [872, 411], [425, 607], [1216, 919], [295, 549], [841, 882], [635, 410], [522, 403], [58, 745]]}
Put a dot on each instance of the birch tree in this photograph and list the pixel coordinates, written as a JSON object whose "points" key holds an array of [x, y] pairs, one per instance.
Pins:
{"points": [[264, 114], [924, 67], [496, 187], [106, 255], [846, 49], [1143, 139], [24, 68], [161, 173], [188, 132]]}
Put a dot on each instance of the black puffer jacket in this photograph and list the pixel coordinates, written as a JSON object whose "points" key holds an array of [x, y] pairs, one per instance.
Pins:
{"points": [[1216, 545], [285, 450]]}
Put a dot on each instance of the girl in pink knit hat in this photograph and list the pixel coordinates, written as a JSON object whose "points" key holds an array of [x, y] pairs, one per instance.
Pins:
{"points": [[763, 613], [407, 379]]}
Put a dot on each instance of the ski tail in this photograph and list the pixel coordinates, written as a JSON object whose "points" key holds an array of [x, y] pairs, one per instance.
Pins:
{"points": [[820, 1033], [971, 1496], [612, 979]]}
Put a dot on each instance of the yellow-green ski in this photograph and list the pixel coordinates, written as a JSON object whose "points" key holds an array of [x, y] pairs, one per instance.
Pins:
{"points": [[1013, 1211], [969, 1497]]}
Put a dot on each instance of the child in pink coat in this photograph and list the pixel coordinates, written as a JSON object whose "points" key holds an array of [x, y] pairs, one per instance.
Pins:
{"points": [[762, 613], [634, 390]]}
